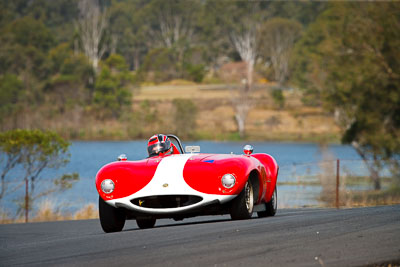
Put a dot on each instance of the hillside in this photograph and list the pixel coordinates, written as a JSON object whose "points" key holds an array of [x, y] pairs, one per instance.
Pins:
{"points": [[266, 121]]}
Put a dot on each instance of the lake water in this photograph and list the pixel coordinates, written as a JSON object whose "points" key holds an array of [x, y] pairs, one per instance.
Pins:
{"points": [[88, 157]]}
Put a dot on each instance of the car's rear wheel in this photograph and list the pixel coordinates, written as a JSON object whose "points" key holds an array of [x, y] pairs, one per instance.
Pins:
{"points": [[111, 219], [243, 204], [271, 207], [145, 223]]}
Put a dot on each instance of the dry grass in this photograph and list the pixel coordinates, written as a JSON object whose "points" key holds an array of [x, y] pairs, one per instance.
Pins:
{"points": [[47, 211], [87, 212], [370, 198], [215, 118]]}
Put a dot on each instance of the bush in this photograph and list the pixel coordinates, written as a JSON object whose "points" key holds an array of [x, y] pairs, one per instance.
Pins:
{"points": [[185, 117], [195, 72], [278, 97], [111, 95]]}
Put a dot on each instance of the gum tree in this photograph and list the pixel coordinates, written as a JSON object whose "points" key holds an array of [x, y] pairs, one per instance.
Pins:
{"points": [[353, 54], [33, 151]]}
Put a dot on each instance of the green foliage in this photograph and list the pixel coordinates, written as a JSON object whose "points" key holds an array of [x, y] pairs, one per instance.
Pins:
{"points": [[25, 43], [278, 97], [34, 151], [30, 32], [354, 71], [11, 92], [66, 181], [35, 147], [111, 95], [195, 72], [159, 66], [185, 117], [72, 83]]}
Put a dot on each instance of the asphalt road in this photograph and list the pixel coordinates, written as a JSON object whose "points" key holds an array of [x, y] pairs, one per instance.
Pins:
{"points": [[295, 237]]}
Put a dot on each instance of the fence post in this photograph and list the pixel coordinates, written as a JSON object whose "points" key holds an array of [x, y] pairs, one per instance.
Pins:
{"points": [[337, 182], [26, 200]]}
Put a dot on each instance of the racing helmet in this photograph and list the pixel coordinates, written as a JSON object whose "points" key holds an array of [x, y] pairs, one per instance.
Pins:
{"points": [[158, 144]]}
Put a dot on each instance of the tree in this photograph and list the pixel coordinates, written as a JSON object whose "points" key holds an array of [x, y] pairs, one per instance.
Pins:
{"points": [[171, 25], [175, 23], [72, 83], [25, 43], [91, 26], [278, 36], [34, 151], [128, 24], [11, 93], [111, 95], [244, 36], [214, 33], [357, 47], [242, 103]]}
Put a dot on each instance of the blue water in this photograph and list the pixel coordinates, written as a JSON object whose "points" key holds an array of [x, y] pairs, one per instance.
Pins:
{"points": [[88, 157]]}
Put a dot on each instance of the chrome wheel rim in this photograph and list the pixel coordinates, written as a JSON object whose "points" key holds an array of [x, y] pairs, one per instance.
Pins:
{"points": [[249, 197]]}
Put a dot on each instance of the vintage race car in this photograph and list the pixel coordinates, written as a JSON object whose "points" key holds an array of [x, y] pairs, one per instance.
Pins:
{"points": [[184, 185]]}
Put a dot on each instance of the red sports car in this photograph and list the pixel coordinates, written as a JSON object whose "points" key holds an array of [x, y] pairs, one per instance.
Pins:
{"points": [[182, 185]]}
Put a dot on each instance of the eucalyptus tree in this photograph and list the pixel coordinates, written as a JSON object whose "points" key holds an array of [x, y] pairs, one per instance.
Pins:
{"points": [[91, 25], [33, 151], [350, 56], [246, 18], [278, 36], [128, 24], [172, 25]]}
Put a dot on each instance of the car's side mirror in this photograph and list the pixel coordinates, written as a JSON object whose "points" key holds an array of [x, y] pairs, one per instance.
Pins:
{"points": [[248, 149], [192, 149]]}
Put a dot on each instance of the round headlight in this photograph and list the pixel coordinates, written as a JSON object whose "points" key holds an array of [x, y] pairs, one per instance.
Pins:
{"points": [[107, 186], [228, 180]]}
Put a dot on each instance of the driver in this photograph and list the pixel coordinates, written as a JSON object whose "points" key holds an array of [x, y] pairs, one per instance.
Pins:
{"points": [[159, 145]]}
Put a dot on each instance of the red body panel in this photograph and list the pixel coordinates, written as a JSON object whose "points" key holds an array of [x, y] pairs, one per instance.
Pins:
{"points": [[202, 172], [128, 176], [271, 169]]}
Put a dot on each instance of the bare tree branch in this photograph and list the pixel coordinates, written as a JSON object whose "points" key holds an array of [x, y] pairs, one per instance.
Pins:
{"points": [[91, 25], [278, 37]]}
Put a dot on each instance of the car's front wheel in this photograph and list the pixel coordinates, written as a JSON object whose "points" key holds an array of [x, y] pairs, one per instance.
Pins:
{"points": [[111, 219], [243, 204], [145, 223]]}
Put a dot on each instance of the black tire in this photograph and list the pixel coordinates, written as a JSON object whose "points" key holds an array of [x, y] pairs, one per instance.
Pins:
{"points": [[111, 219], [270, 207], [145, 223], [243, 205]]}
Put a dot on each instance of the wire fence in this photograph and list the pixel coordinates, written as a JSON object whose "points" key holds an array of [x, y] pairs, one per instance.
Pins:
{"points": [[328, 183]]}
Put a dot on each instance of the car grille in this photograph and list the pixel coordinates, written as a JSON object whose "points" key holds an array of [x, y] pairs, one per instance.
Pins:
{"points": [[166, 202]]}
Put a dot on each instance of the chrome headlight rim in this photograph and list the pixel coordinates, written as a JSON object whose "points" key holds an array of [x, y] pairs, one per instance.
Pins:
{"points": [[228, 180], [107, 186]]}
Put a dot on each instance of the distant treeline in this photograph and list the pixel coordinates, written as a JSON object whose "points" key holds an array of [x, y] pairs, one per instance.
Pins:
{"points": [[87, 56]]}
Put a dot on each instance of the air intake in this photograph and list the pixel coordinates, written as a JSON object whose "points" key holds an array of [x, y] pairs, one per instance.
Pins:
{"points": [[166, 202]]}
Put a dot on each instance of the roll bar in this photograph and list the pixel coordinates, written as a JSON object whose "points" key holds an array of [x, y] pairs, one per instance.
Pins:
{"points": [[178, 141]]}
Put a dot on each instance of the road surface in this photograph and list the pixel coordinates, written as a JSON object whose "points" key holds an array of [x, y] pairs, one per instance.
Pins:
{"points": [[294, 237]]}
